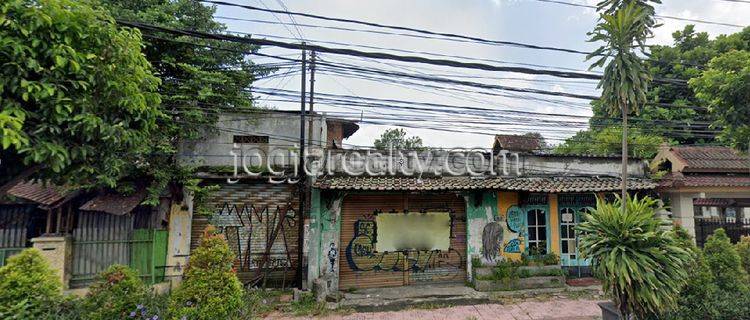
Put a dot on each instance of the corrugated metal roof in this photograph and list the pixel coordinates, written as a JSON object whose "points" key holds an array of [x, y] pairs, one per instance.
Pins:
{"points": [[115, 203], [35, 191], [532, 184]]}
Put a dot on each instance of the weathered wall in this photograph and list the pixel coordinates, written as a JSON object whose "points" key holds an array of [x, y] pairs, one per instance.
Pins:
{"points": [[282, 129], [465, 162], [484, 226], [325, 227], [362, 267], [248, 213]]}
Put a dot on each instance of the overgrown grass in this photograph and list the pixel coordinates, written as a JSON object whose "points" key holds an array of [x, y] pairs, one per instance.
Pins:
{"points": [[307, 306]]}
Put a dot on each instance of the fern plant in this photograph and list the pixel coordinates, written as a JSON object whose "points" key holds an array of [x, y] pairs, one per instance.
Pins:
{"points": [[639, 260]]}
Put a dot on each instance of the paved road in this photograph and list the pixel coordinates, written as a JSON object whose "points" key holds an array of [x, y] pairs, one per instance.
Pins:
{"points": [[558, 309]]}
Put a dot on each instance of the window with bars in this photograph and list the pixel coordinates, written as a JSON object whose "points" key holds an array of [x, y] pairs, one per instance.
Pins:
{"points": [[537, 231], [250, 139]]}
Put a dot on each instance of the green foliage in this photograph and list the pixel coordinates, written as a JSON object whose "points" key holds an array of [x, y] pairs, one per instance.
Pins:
{"points": [[609, 141], [641, 265], [624, 28], [546, 259], [210, 289], [743, 248], [396, 139], [203, 81], [725, 263], [308, 306], [115, 293], [77, 96], [725, 87], [683, 60], [708, 294], [201, 197], [28, 286]]}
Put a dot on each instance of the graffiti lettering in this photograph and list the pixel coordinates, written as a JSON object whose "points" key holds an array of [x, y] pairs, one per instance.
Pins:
{"points": [[515, 219], [259, 237], [513, 246]]}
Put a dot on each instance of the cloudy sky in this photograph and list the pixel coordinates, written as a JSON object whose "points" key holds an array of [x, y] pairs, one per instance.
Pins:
{"points": [[525, 21]]}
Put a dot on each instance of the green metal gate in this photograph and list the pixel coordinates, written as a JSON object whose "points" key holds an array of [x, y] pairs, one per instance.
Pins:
{"points": [[102, 240]]}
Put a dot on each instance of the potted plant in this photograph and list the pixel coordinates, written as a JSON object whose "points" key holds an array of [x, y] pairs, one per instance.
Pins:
{"points": [[640, 262]]}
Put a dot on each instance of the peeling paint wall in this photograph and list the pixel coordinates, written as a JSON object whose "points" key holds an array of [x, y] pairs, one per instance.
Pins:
{"points": [[481, 210], [325, 228]]}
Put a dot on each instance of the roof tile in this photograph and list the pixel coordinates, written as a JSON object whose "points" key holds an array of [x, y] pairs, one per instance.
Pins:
{"points": [[532, 184]]}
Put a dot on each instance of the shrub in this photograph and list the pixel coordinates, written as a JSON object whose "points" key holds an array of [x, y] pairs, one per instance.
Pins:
{"points": [[743, 248], [114, 294], [28, 286], [641, 265], [210, 289], [725, 262]]}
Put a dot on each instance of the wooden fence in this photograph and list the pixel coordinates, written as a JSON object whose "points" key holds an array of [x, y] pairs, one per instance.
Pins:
{"points": [[14, 221]]}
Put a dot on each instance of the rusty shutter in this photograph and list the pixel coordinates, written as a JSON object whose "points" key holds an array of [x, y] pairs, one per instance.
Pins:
{"points": [[360, 267]]}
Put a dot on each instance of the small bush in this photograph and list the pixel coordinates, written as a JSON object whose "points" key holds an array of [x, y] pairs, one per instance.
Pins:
{"points": [[725, 263], [743, 248], [210, 289], [115, 293], [28, 286]]}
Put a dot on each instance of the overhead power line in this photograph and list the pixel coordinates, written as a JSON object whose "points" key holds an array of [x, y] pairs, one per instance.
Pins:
{"points": [[393, 27], [372, 55], [658, 16]]}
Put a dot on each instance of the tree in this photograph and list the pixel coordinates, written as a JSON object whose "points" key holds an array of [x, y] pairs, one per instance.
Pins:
{"points": [[725, 263], [78, 97], [201, 79], [725, 87], [624, 26], [396, 139], [684, 60], [642, 265], [607, 141]]}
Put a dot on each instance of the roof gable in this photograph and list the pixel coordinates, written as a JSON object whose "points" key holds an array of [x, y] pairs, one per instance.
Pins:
{"points": [[512, 142]]}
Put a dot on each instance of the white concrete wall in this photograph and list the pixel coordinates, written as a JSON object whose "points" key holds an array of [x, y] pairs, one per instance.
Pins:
{"points": [[513, 164], [282, 128]]}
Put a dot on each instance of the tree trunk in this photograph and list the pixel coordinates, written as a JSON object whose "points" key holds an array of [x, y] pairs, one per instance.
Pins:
{"points": [[624, 156]]}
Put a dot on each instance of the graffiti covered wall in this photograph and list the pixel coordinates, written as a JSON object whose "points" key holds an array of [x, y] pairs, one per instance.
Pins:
{"points": [[362, 266], [259, 221]]}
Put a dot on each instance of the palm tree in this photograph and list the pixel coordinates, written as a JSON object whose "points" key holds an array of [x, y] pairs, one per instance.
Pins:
{"points": [[624, 26], [640, 261]]}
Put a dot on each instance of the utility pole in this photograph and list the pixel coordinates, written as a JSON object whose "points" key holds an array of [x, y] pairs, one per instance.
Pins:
{"points": [[312, 94], [624, 156], [301, 183]]}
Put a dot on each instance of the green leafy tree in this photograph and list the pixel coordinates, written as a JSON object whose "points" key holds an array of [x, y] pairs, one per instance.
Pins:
{"points": [[115, 293], [743, 248], [210, 289], [725, 87], [607, 141], [397, 139], [78, 98], [201, 79], [624, 26], [725, 263], [28, 286], [683, 60], [642, 265]]}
